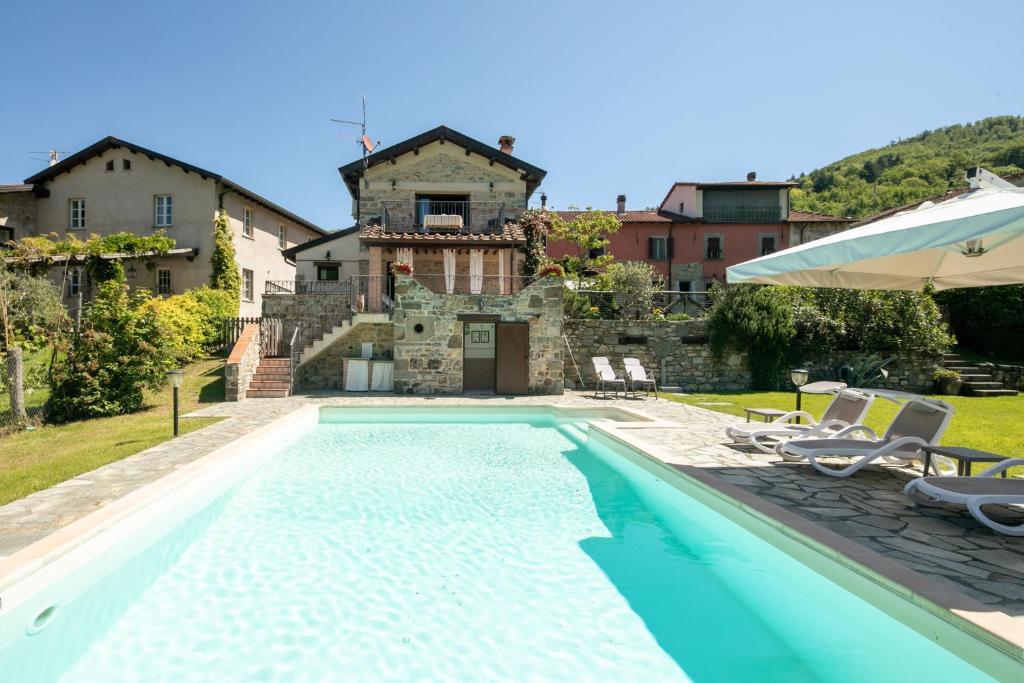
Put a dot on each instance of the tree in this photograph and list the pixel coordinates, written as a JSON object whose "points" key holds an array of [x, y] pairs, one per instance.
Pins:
{"points": [[119, 353], [224, 273], [635, 284], [588, 231]]}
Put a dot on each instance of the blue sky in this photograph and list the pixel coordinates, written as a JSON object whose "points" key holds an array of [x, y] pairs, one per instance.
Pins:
{"points": [[608, 97]]}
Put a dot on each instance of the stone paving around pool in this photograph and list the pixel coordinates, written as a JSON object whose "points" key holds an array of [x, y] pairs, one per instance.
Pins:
{"points": [[944, 544]]}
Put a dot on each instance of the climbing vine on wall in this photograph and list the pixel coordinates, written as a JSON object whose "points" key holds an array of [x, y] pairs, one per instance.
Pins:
{"points": [[223, 267]]}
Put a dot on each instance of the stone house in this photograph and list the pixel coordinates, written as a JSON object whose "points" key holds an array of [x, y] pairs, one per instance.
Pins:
{"points": [[115, 186], [466, 319]]}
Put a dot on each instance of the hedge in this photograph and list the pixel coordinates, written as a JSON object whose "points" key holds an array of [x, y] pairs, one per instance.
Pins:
{"points": [[192, 322]]}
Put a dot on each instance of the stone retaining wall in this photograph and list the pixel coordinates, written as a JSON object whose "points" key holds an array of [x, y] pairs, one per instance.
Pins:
{"points": [[430, 361], [316, 314], [324, 371], [1012, 376], [242, 363], [678, 354]]}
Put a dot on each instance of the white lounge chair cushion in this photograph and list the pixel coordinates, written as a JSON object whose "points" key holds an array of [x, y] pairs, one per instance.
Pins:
{"points": [[842, 447]]}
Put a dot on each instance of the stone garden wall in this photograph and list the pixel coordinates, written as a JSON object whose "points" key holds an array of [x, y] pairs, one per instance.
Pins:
{"points": [[428, 334], [678, 354], [316, 314], [324, 371], [242, 363], [1012, 376]]}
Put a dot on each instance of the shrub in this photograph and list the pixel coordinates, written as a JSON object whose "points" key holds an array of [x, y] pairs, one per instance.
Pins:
{"points": [[635, 284], [758, 320], [551, 270], [988, 320], [119, 353], [192, 322], [678, 317]]}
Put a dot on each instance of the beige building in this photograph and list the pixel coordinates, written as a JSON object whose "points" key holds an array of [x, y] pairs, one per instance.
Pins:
{"points": [[116, 186], [329, 261]]}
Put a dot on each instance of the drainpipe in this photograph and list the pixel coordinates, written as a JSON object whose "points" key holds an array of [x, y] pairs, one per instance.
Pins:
{"points": [[671, 246]]}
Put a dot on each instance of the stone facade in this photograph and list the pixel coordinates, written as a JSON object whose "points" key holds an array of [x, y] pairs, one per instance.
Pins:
{"points": [[242, 363], [316, 314], [325, 371], [1012, 376], [430, 361], [675, 353], [678, 354]]}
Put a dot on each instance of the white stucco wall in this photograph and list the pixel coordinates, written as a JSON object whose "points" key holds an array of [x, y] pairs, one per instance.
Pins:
{"points": [[261, 253], [689, 196], [346, 251]]}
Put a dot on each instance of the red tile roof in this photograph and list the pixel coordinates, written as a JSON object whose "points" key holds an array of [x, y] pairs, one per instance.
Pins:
{"points": [[511, 233], [811, 217], [646, 216]]}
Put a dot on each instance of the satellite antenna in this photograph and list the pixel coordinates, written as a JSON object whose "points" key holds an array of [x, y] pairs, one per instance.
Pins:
{"points": [[363, 140]]}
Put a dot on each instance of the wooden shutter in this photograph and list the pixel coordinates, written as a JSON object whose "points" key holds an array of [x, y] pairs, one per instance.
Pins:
{"points": [[650, 248], [670, 247]]}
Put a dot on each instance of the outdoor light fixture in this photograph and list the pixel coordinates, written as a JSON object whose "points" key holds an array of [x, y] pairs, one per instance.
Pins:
{"points": [[798, 377], [132, 272], [176, 377]]}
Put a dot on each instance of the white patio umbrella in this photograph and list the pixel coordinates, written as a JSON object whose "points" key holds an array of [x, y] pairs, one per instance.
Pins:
{"points": [[972, 240]]}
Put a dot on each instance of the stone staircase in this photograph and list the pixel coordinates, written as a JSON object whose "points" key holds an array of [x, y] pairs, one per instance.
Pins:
{"points": [[272, 379], [976, 381], [320, 345]]}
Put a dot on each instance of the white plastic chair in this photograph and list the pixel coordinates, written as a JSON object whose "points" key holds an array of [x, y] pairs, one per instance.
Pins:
{"points": [[636, 376], [606, 377]]}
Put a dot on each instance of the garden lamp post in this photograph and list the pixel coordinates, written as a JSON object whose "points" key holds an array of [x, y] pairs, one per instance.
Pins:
{"points": [[176, 377], [799, 378]]}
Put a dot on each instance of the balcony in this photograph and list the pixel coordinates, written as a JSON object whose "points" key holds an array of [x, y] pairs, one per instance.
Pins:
{"points": [[432, 216], [742, 214]]}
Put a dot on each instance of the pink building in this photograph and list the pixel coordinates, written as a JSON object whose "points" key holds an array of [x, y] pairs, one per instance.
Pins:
{"points": [[700, 229]]}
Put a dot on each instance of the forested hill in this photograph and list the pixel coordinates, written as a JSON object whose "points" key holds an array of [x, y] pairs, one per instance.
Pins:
{"points": [[913, 168]]}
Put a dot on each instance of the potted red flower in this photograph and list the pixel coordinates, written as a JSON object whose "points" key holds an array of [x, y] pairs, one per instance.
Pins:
{"points": [[403, 268], [551, 270]]}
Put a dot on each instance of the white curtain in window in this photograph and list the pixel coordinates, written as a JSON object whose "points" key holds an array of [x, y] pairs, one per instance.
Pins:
{"points": [[449, 270], [404, 255], [476, 271], [502, 281]]}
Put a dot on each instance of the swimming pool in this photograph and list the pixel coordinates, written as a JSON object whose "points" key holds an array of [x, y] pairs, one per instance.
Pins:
{"points": [[449, 545]]}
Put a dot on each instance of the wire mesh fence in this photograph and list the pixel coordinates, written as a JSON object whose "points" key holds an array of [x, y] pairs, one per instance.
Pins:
{"points": [[24, 388]]}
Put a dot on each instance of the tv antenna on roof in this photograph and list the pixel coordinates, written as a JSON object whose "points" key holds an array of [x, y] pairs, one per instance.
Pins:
{"points": [[363, 140]]}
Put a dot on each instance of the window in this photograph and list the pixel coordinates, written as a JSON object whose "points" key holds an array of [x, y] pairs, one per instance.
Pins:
{"points": [[282, 237], [163, 210], [247, 285], [658, 248], [110, 165], [327, 272], [74, 281], [712, 246], [767, 245], [126, 164], [163, 281], [246, 221], [77, 214], [684, 286]]}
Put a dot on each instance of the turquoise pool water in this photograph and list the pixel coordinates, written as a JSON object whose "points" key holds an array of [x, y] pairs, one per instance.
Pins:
{"points": [[466, 548]]}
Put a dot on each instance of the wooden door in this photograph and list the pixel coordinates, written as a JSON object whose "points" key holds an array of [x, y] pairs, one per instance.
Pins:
{"points": [[513, 358]]}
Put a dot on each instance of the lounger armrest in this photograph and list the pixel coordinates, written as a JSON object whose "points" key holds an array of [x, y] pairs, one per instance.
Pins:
{"points": [[796, 413], [900, 444], [853, 429], [1002, 467]]}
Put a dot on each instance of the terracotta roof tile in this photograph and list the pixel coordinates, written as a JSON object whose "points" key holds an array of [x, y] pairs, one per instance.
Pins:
{"points": [[511, 233], [647, 216], [811, 217]]}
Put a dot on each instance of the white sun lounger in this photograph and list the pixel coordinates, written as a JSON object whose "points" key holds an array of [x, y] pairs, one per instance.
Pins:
{"points": [[606, 377], [974, 493], [847, 408], [637, 377], [921, 421]]}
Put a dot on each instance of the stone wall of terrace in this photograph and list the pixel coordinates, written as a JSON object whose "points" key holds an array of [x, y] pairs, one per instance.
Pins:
{"points": [[428, 334], [316, 313], [324, 371], [242, 363], [678, 354], [1012, 376]]}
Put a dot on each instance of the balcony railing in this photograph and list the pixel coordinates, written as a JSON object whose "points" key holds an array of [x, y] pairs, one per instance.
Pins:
{"points": [[439, 217], [742, 214], [470, 284]]}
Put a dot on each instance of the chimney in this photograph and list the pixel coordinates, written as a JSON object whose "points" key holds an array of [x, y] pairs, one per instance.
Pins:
{"points": [[752, 176], [505, 143], [543, 202], [620, 204]]}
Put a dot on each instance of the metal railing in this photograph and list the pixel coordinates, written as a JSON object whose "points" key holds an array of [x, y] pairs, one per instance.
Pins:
{"points": [[614, 305], [372, 293], [742, 214], [439, 283], [294, 351], [443, 216], [306, 287]]}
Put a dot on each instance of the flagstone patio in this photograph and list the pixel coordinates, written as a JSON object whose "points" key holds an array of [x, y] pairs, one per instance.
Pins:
{"points": [[946, 545]]}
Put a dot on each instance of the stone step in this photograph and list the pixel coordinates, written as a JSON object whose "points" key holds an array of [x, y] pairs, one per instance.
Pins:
{"points": [[962, 368], [975, 378], [272, 385], [275, 362], [266, 393], [983, 385], [993, 392], [273, 372]]}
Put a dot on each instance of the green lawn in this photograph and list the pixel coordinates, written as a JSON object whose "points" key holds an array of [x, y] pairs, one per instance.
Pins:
{"points": [[989, 424], [35, 460]]}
